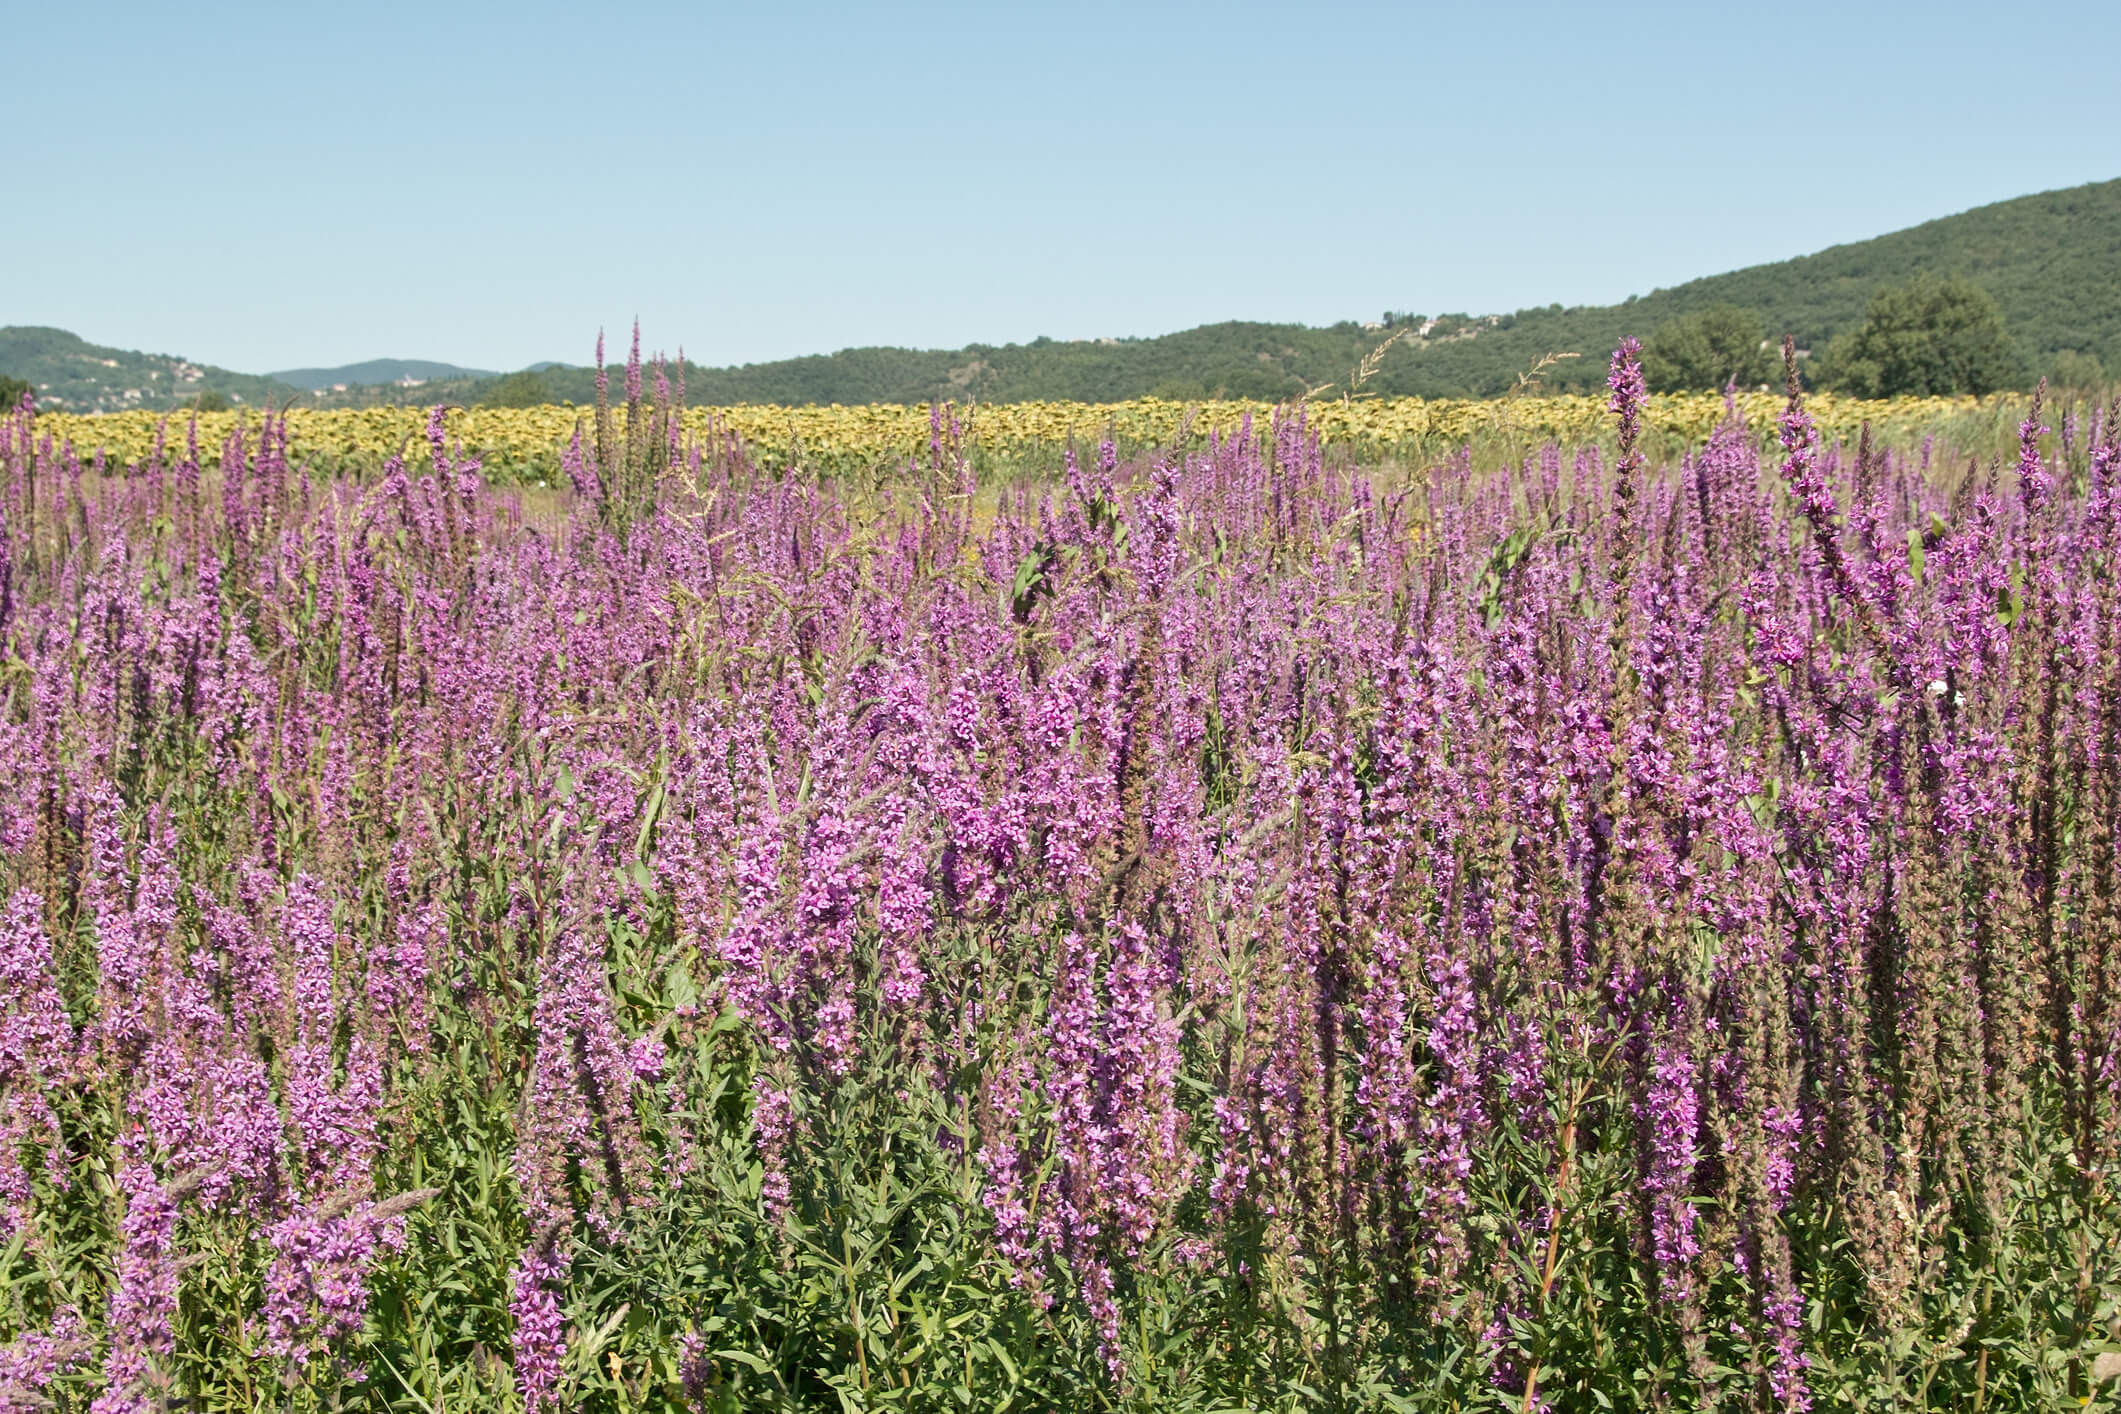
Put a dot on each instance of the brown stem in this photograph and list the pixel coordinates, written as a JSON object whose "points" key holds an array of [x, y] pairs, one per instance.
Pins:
{"points": [[1552, 1261]]}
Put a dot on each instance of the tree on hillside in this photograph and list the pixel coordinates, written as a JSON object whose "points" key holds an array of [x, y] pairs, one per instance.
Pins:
{"points": [[2072, 368], [12, 392], [526, 389], [1933, 335], [1708, 349]]}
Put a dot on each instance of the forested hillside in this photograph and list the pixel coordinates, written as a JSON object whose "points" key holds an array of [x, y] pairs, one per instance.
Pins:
{"points": [[2052, 261]]}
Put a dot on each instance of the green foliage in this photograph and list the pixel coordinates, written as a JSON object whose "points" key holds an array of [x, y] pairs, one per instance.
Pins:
{"points": [[1708, 350], [1932, 335], [72, 375], [2052, 261], [524, 389], [2071, 369], [12, 391], [211, 400]]}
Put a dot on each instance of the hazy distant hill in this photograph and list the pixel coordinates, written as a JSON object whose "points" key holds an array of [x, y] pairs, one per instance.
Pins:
{"points": [[72, 375], [374, 372], [2053, 262]]}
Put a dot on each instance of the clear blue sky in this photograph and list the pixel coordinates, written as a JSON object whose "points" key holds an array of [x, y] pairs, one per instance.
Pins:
{"points": [[294, 184]]}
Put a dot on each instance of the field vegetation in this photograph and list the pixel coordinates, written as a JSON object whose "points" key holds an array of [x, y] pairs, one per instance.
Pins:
{"points": [[1623, 921], [871, 445]]}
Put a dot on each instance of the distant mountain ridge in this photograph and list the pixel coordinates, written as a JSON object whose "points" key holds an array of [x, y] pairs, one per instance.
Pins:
{"points": [[2052, 261], [375, 372], [70, 374]]}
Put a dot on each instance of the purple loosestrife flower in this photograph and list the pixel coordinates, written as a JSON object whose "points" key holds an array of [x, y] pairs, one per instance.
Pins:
{"points": [[540, 1342], [1783, 1306], [1782, 1128], [696, 1368], [1629, 396], [1624, 378], [748, 951], [36, 1054], [1231, 1184], [827, 891], [580, 1110], [772, 1123], [2036, 484], [902, 906], [334, 1113], [242, 1136], [125, 960], [316, 1290], [1070, 1092], [1153, 548], [1671, 1113], [7, 579], [1073, 800], [1097, 1294], [1385, 1088], [1456, 1117], [1972, 579], [398, 970], [1002, 1157], [1145, 1165], [1808, 484], [143, 1302], [239, 956], [235, 517], [1231, 839], [1523, 1067], [31, 1362], [581, 470], [438, 441]]}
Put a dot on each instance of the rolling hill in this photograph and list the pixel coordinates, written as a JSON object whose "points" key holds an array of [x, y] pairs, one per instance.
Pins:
{"points": [[2052, 261], [377, 372], [70, 374]]}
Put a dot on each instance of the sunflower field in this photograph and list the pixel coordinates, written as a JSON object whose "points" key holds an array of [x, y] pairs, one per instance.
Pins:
{"points": [[524, 444]]}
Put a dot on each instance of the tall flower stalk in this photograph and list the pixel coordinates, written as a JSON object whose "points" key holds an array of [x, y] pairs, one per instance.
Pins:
{"points": [[1234, 927]]}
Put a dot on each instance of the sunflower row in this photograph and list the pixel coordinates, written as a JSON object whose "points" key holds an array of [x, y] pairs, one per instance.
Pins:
{"points": [[351, 437]]}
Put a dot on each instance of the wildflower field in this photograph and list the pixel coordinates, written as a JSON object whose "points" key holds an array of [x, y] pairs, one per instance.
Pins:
{"points": [[1617, 927]]}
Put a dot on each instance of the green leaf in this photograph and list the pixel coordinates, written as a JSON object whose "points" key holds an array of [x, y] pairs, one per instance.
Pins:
{"points": [[745, 1358]]}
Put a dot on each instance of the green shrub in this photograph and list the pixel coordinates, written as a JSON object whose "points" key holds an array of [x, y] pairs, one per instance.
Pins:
{"points": [[1933, 336], [1710, 349]]}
